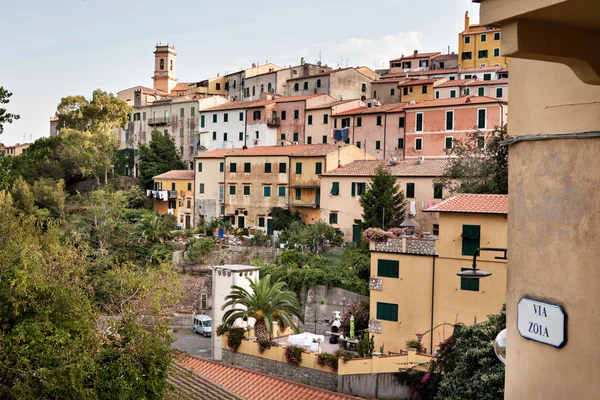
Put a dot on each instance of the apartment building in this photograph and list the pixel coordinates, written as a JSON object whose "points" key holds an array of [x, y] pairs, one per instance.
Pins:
{"points": [[413, 61], [444, 61], [174, 194], [414, 286], [319, 121], [433, 126], [235, 82], [387, 91], [343, 83], [479, 46], [416, 90], [341, 189], [290, 117], [464, 87], [13, 151]]}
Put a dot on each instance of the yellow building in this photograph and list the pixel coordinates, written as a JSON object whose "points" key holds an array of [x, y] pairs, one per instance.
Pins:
{"points": [[414, 286], [479, 46], [174, 194], [416, 90], [13, 151]]}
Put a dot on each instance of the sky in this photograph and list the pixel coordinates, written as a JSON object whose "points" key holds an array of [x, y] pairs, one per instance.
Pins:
{"points": [[59, 48]]}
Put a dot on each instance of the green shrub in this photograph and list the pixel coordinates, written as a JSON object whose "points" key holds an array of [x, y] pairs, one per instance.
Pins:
{"points": [[331, 360], [293, 354]]}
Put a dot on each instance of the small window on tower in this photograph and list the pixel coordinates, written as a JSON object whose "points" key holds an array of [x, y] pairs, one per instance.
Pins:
{"points": [[162, 63], [171, 65]]}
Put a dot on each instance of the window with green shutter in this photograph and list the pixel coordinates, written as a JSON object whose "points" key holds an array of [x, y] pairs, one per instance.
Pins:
{"points": [[400, 122], [199, 167], [309, 140], [282, 136], [392, 92], [241, 116], [193, 111], [481, 118], [378, 145], [232, 167], [241, 136], [319, 168], [364, 87], [247, 167], [283, 115], [267, 191], [487, 77], [298, 168], [470, 239], [400, 143], [410, 190], [182, 112], [325, 139], [202, 188], [379, 120], [226, 117], [449, 120], [438, 190], [214, 118], [281, 191], [180, 132], [221, 166], [325, 118], [232, 189], [202, 121], [282, 168], [298, 194], [261, 222], [225, 136], [267, 168], [469, 283], [214, 135], [449, 143], [333, 218], [144, 116], [498, 93], [358, 145], [310, 119], [387, 311], [335, 189], [295, 136], [221, 193], [296, 114], [480, 91], [305, 85], [172, 185], [358, 121], [480, 142], [246, 190], [452, 93], [388, 268], [419, 123]]}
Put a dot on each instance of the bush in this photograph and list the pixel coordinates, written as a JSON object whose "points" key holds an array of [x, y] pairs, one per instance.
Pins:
{"points": [[345, 355], [199, 249], [234, 338], [265, 344], [366, 346], [293, 354], [331, 360], [414, 344], [376, 235], [261, 238]]}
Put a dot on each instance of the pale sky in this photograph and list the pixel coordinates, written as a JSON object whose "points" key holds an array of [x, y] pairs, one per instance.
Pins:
{"points": [[58, 48]]}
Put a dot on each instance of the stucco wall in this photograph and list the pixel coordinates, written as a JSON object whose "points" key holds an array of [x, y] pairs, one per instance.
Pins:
{"points": [[381, 91], [208, 205], [368, 386]]}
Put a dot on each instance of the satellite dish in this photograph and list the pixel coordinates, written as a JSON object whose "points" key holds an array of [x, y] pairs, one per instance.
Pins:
{"points": [[363, 97]]}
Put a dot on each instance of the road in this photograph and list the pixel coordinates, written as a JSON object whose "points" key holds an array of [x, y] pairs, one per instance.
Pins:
{"points": [[192, 343]]}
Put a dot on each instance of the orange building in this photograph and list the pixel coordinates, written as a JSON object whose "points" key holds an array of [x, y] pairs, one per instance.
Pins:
{"points": [[174, 194]]}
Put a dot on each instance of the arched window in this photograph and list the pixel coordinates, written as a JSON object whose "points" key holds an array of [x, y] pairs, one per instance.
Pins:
{"points": [[262, 87], [253, 91], [162, 63], [270, 87], [171, 65]]}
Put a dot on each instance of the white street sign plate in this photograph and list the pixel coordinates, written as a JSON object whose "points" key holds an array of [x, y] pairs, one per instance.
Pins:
{"points": [[542, 322]]}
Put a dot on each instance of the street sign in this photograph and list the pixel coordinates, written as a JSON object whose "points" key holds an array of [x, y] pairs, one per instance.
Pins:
{"points": [[542, 322]]}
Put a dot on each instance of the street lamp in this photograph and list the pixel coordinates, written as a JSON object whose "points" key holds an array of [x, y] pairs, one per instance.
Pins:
{"points": [[475, 273], [500, 346]]}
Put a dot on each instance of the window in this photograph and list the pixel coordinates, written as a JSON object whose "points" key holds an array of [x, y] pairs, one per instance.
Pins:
{"points": [[498, 93], [226, 117], [496, 52], [483, 38], [246, 190], [452, 78], [144, 136], [267, 168], [379, 120], [467, 91], [318, 83], [189, 187], [387, 311], [166, 132], [298, 192], [345, 122], [182, 112], [218, 86], [374, 96], [357, 189], [496, 35], [437, 190], [400, 122], [144, 116], [172, 204], [436, 229], [180, 132], [310, 119], [419, 144], [296, 87], [449, 143], [298, 168], [224, 136], [282, 168], [267, 191], [326, 118], [335, 189], [202, 121], [282, 136], [309, 140], [480, 142], [214, 118], [283, 115], [410, 190], [241, 136], [295, 137], [253, 91], [126, 134], [256, 115], [333, 218], [424, 89], [364, 87], [318, 168], [325, 139], [482, 54], [481, 118], [449, 120], [247, 167], [126, 152], [214, 135], [419, 123], [405, 91], [378, 145], [468, 76], [281, 191], [296, 114], [226, 85], [400, 143], [487, 77], [232, 167], [305, 85], [358, 144], [467, 39], [467, 55], [437, 94], [199, 167], [452, 93], [221, 166], [358, 121], [468, 283], [270, 87], [257, 134], [242, 116], [392, 92], [388, 268], [261, 222], [470, 239]]}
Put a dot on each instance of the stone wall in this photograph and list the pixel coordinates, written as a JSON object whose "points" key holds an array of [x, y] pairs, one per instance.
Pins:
{"points": [[306, 376], [414, 245], [372, 386]]}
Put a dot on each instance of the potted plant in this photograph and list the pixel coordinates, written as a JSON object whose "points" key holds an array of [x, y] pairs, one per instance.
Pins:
{"points": [[414, 345]]}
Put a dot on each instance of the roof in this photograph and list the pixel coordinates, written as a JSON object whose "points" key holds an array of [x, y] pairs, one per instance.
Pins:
{"points": [[451, 56], [480, 69], [217, 153], [372, 110], [237, 105], [332, 71], [459, 101], [251, 385], [473, 203], [475, 32], [298, 98], [329, 105], [382, 81], [456, 82], [407, 167], [418, 55], [195, 386], [417, 82], [176, 174], [291, 150], [181, 86], [503, 81]]}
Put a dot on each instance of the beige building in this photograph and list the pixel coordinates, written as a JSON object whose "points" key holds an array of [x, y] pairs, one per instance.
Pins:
{"points": [[235, 81], [413, 61], [319, 121], [343, 83], [553, 183], [414, 286], [342, 188], [16, 150]]}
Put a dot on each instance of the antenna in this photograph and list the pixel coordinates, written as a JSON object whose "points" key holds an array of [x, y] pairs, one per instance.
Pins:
{"points": [[320, 55]]}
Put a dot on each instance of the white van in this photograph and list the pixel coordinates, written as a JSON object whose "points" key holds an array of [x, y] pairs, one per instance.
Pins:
{"points": [[203, 325]]}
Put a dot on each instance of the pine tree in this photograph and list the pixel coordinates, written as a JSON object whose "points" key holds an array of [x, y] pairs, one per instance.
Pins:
{"points": [[158, 157], [383, 202]]}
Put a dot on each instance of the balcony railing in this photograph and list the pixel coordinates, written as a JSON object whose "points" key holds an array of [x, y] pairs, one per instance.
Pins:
{"points": [[274, 122], [159, 121]]}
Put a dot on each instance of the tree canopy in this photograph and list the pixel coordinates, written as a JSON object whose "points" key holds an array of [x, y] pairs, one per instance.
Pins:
{"points": [[383, 202], [479, 164], [79, 113], [5, 116], [157, 157]]}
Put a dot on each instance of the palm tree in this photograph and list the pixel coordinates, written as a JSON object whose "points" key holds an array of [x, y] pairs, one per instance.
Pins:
{"points": [[266, 302], [153, 228]]}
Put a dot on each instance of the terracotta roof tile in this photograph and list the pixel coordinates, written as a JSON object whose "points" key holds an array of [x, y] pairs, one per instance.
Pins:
{"points": [[383, 81], [181, 86], [176, 174], [238, 105], [409, 167], [418, 55], [217, 153], [412, 82], [466, 100], [473, 203], [480, 69], [456, 82], [332, 71], [446, 57], [329, 105], [297, 98], [252, 385], [296, 150], [420, 73], [503, 81], [372, 110]]}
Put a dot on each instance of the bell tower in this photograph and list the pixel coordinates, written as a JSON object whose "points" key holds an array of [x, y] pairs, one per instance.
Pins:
{"points": [[164, 68]]}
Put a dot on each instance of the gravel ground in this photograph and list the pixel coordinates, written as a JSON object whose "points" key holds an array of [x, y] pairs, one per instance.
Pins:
{"points": [[192, 343]]}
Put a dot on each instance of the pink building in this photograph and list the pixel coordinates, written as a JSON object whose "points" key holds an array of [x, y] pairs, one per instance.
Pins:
{"points": [[289, 115], [464, 87], [433, 126]]}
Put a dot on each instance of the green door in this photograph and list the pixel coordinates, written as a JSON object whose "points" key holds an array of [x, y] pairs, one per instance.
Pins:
{"points": [[241, 221], [269, 227], [356, 234]]}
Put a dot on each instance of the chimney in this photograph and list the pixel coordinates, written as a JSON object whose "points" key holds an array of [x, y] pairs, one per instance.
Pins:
{"points": [[467, 21], [416, 52]]}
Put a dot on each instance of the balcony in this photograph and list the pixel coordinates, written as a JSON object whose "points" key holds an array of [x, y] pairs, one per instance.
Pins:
{"points": [[274, 122], [159, 121]]}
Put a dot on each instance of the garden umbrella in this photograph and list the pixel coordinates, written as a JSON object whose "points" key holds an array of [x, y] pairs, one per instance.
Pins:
{"points": [[352, 327]]}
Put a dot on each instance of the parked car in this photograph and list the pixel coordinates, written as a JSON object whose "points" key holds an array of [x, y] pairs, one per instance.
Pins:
{"points": [[203, 325]]}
